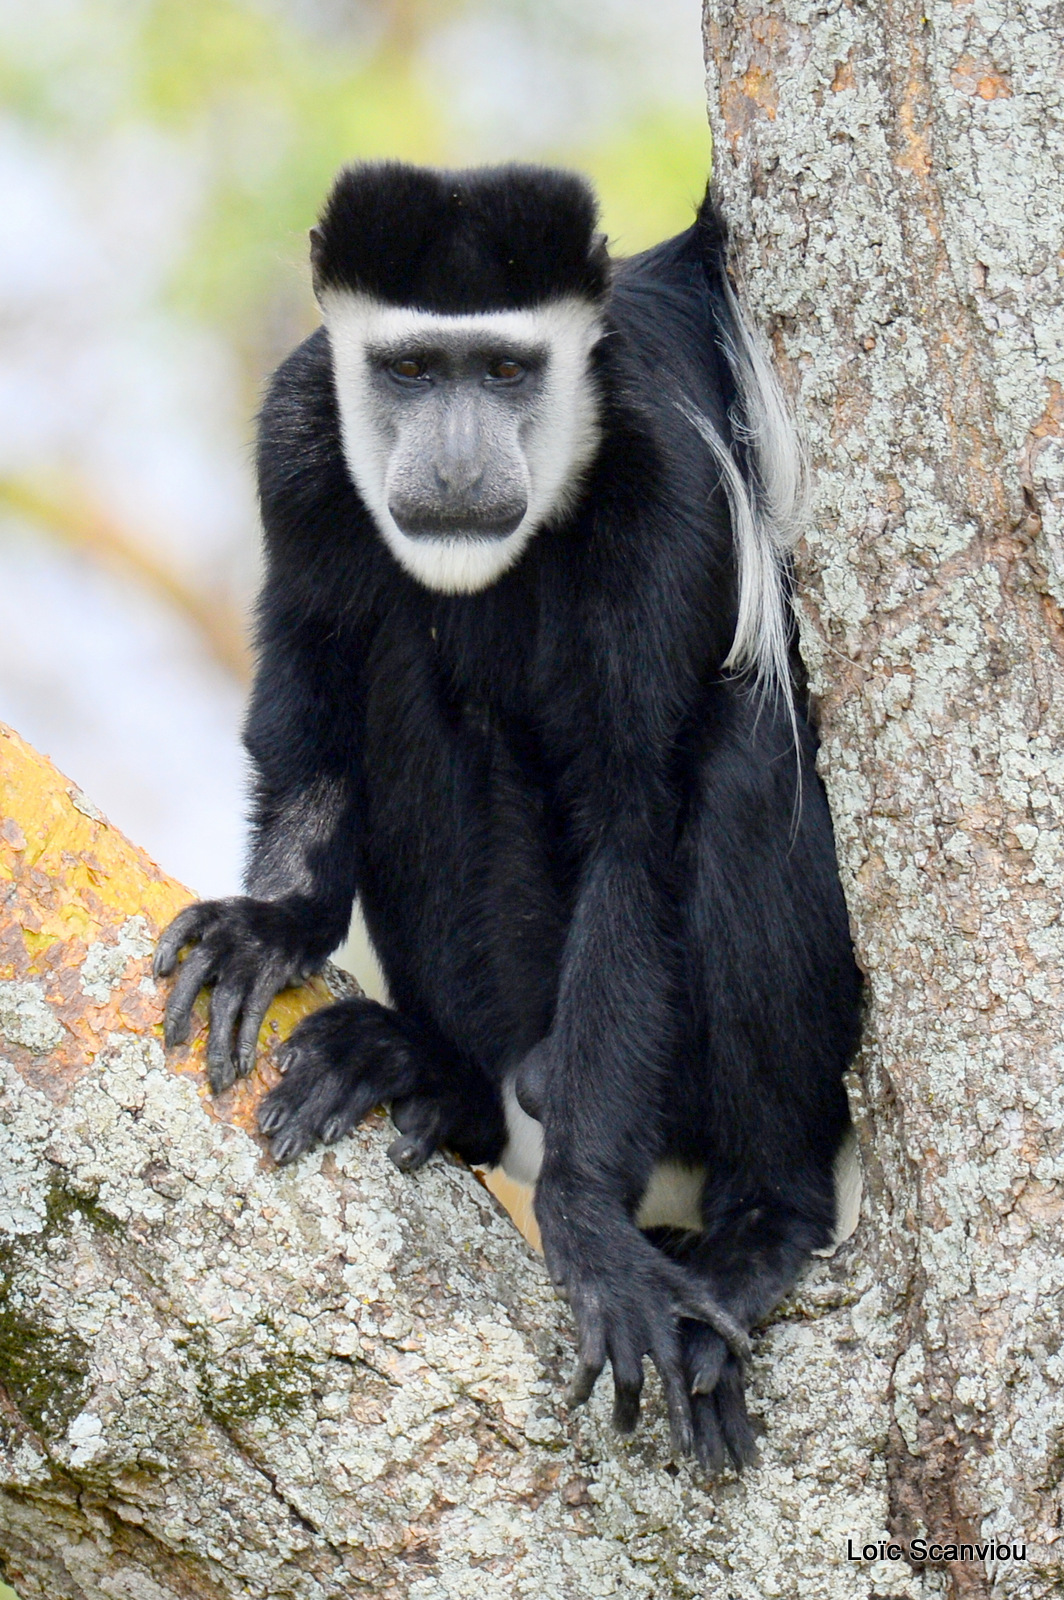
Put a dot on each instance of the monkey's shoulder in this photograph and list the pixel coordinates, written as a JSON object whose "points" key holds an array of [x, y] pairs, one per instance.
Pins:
{"points": [[665, 309]]}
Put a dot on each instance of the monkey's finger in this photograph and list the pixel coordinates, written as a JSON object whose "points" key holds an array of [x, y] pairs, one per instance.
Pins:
{"points": [[362, 1098], [670, 1369], [347, 1117], [226, 1001], [555, 1269], [709, 1440], [590, 1364], [186, 926], [420, 1121], [627, 1388], [704, 1369], [290, 1143], [287, 1056], [583, 1380], [273, 1113], [197, 969], [268, 983], [411, 1151], [735, 1426]]}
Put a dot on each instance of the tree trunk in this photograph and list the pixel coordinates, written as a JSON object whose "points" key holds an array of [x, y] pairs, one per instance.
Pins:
{"points": [[893, 176]]}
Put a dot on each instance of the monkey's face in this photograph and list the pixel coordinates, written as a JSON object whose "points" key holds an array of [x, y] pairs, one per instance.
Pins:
{"points": [[463, 434]]}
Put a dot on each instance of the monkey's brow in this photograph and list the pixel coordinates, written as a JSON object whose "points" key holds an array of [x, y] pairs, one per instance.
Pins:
{"points": [[459, 347]]}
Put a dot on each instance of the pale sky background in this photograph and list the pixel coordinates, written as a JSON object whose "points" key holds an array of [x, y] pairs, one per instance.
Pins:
{"points": [[160, 163]]}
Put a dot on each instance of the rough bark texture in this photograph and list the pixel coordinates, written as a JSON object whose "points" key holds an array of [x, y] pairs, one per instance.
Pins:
{"points": [[894, 175], [221, 1379]]}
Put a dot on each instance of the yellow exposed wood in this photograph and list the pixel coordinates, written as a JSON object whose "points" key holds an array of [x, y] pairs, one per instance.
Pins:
{"points": [[77, 882]]}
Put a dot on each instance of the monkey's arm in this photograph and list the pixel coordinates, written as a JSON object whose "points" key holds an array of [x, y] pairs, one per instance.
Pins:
{"points": [[601, 1075], [300, 878], [597, 1080]]}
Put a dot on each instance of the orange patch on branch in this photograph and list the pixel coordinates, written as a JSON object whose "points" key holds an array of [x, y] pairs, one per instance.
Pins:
{"points": [[744, 99], [754, 92], [916, 156], [73, 887], [758, 83], [1051, 423]]}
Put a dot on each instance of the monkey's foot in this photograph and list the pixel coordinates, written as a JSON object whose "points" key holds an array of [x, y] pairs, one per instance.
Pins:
{"points": [[338, 1065], [629, 1300], [347, 1059]]}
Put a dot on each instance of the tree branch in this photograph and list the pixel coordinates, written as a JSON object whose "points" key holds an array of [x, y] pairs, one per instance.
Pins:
{"points": [[224, 1379]]}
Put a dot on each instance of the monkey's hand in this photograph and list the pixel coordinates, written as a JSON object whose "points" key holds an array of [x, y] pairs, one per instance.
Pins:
{"points": [[628, 1300], [723, 1429], [249, 950]]}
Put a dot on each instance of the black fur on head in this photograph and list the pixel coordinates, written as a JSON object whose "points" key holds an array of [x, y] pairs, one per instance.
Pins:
{"points": [[484, 239]]}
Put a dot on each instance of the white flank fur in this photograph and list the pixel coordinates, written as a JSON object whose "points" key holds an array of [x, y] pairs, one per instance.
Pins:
{"points": [[849, 1187], [523, 1156], [559, 442], [767, 513], [673, 1195]]}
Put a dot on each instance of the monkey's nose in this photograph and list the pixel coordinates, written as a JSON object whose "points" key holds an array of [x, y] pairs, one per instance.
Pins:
{"points": [[458, 474]]}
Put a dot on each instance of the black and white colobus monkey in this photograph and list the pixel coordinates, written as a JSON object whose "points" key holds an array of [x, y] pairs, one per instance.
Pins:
{"points": [[527, 686]]}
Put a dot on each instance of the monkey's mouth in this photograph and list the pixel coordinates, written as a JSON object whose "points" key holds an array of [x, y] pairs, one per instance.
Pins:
{"points": [[459, 525]]}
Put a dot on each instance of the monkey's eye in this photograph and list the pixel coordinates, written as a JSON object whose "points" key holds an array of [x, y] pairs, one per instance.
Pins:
{"points": [[409, 369], [506, 371]]}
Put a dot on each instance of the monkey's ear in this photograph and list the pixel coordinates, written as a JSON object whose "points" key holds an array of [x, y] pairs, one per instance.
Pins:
{"points": [[599, 254], [317, 254]]}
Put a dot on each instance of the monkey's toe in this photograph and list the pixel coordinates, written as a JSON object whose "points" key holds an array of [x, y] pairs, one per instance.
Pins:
{"points": [[723, 1431], [311, 1106], [338, 1065]]}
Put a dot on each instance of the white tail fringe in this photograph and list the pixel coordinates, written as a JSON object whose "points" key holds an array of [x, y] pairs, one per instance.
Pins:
{"points": [[766, 512]]}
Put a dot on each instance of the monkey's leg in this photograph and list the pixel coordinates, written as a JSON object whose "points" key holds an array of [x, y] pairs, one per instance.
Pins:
{"points": [[748, 1259], [348, 1058]]}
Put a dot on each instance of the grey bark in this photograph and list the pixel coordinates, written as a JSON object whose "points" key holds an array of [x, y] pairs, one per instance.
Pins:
{"points": [[894, 175], [222, 1379]]}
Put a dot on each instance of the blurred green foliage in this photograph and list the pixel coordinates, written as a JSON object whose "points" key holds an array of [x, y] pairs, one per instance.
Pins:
{"points": [[269, 97], [280, 110]]}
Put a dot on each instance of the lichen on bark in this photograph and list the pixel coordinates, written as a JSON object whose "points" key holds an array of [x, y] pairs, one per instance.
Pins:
{"points": [[894, 175], [329, 1379]]}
